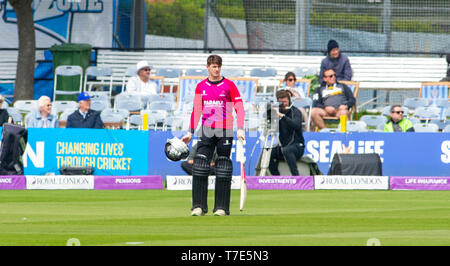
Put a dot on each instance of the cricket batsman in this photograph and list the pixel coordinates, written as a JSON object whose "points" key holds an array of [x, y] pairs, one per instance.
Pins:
{"points": [[214, 101]]}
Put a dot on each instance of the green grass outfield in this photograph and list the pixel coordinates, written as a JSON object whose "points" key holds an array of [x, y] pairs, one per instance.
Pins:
{"points": [[273, 218]]}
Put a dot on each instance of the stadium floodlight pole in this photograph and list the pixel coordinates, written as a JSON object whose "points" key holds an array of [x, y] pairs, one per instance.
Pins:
{"points": [[132, 24], [205, 27], [300, 25], [213, 9], [387, 18]]}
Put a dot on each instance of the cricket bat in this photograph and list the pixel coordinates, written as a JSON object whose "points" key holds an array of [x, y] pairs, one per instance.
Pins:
{"points": [[240, 157]]}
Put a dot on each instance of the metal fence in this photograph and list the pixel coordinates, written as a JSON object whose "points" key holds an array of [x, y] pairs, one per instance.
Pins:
{"points": [[361, 27]]}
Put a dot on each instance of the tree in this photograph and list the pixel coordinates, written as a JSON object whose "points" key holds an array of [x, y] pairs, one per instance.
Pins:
{"points": [[24, 85]]}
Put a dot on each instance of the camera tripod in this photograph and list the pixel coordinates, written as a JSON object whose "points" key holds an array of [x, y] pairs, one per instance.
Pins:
{"points": [[270, 137]]}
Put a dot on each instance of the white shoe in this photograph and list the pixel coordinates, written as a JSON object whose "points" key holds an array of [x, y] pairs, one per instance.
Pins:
{"points": [[220, 212], [197, 212]]}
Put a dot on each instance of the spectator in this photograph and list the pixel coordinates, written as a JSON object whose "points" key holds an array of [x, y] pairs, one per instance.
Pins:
{"points": [[42, 117], [398, 123], [141, 84], [337, 61], [289, 80], [331, 99], [84, 117], [4, 115]]}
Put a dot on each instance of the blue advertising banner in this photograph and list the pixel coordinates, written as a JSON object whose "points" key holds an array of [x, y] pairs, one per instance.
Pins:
{"points": [[402, 154], [109, 152]]}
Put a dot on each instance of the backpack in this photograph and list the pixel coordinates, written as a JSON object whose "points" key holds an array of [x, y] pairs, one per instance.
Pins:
{"points": [[14, 141]]}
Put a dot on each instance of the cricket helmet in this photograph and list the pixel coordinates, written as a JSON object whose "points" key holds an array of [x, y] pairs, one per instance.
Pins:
{"points": [[176, 149]]}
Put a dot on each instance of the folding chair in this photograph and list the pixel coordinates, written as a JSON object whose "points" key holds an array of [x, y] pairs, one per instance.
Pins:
{"points": [[232, 72], [203, 72], [446, 128], [26, 106], [161, 105], [63, 117], [305, 103], [170, 75], [413, 103], [174, 123], [112, 120], [186, 90], [61, 106], [102, 76], [304, 71], [67, 71], [15, 114], [247, 87], [426, 127], [266, 78], [434, 91], [99, 104], [137, 120], [427, 113], [355, 126], [373, 120], [159, 116], [130, 102]]}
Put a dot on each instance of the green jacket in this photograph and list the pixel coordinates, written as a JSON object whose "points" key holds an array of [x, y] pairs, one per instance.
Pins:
{"points": [[405, 124]]}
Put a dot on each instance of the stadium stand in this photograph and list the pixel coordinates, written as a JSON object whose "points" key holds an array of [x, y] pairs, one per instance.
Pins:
{"points": [[371, 72]]}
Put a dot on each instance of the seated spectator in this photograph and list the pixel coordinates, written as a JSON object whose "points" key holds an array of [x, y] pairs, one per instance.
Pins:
{"points": [[398, 123], [4, 115], [42, 117], [84, 117], [289, 80], [337, 61], [331, 99], [141, 84]]}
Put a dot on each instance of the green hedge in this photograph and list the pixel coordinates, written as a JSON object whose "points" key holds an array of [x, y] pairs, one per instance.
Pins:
{"points": [[182, 18]]}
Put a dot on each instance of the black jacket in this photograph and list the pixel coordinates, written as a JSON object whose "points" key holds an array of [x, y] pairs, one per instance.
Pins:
{"points": [[92, 120], [290, 127]]}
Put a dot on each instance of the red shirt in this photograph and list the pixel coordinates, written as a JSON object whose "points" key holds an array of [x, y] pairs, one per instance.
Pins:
{"points": [[214, 103]]}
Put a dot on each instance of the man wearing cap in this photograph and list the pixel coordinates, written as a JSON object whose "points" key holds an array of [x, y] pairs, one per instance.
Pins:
{"points": [[141, 84], [337, 61], [84, 117]]}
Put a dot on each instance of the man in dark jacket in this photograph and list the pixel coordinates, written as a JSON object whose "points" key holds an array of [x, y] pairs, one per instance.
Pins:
{"points": [[292, 143], [331, 99], [84, 117], [337, 61]]}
